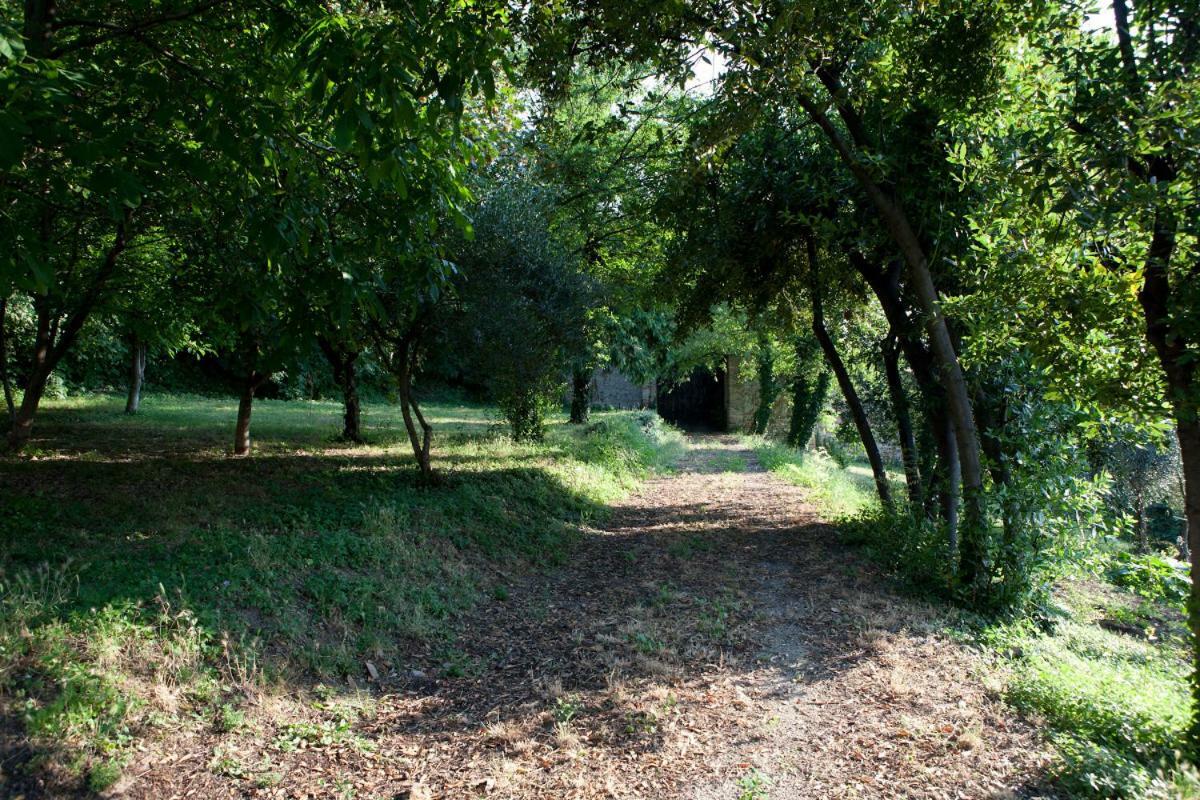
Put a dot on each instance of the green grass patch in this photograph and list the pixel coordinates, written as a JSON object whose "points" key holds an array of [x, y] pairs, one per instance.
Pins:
{"points": [[1114, 697], [836, 491], [147, 579]]}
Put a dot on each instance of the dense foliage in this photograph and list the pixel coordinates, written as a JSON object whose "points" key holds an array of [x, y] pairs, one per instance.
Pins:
{"points": [[973, 222]]}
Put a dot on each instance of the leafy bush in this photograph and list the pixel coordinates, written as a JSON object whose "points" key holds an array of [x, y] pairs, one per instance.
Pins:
{"points": [[1152, 576], [630, 443]]}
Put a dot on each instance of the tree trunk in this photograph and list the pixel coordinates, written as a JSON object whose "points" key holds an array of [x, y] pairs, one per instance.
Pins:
{"points": [[1179, 369], [904, 429], [137, 373], [941, 480], [581, 399], [1185, 550], [843, 378], [35, 383], [4, 381], [241, 433], [405, 359], [993, 419], [1189, 449], [54, 337], [38, 19], [958, 402], [343, 361], [1141, 532], [352, 406], [949, 477]]}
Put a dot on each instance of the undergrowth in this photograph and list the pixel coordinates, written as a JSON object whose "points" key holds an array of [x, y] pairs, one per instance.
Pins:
{"points": [[1112, 695]]}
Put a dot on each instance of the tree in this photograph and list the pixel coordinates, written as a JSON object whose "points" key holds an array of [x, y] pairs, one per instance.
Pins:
{"points": [[603, 146], [225, 93], [520, 285]]}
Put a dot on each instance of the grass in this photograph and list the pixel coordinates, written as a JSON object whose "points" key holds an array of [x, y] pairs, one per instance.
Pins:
{"points": [[149, 582], [837, 492], [1109, 681]]}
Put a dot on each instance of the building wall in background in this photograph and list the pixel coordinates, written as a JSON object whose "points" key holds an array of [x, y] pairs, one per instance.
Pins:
{"points": [[612, 389], [741, 394]]}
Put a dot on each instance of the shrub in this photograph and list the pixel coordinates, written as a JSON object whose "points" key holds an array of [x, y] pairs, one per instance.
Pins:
{"points": [[1152, 576]]}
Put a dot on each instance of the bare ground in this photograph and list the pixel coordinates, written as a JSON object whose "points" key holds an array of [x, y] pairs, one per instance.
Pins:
{"points": [[712, 640]]}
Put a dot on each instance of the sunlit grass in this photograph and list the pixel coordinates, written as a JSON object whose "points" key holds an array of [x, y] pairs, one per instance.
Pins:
{"points": [[836, 492], [1116, 705]]}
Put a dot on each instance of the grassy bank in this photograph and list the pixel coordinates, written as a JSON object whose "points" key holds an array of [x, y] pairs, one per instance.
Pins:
{"points": [[150, 584], [838, 492], [1104, 669]]}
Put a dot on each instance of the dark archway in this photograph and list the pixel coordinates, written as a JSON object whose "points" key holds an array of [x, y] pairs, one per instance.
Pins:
{"points": [[697, 403]]}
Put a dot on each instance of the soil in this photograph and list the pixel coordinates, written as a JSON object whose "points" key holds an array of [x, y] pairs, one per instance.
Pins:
{"points": [[711, 639]]}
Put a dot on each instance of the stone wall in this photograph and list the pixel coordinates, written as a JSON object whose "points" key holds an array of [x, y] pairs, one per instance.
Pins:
{"points": [[741, 394], [612, 389]]}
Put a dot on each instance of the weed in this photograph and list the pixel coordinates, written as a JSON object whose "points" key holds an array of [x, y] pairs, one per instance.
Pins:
{"points": [[225, 762], [646, 644], [268, 779], [566, 708], [664, 596], [104, 774], [301, 735], [687, 547], [644, 723], [753, 786], [714, 618], [229, 718]]}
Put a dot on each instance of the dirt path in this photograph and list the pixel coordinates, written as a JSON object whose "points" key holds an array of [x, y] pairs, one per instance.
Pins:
{"points": [[712, 641]]}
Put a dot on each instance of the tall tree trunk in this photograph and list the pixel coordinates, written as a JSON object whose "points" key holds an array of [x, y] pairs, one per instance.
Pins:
{"points": [[1179, 369], [581, 395], [1189, 449], [941, 480], [241, 432], [1185, 551], [405, 360], [949, 478], [958, 401], [137, 373], [993, 419], [7, 384], [38, 19], [343, 363], [351, 404], [904, 429], [35, 382], [1141, 532], [843, 378]]}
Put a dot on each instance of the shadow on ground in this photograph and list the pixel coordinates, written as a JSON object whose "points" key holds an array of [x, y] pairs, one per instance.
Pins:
{"points": [[710, 628]]}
